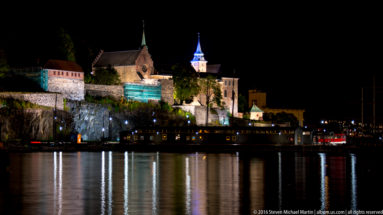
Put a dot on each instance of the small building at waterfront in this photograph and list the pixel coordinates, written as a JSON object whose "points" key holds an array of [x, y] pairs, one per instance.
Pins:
{"points": [[256, 113]]}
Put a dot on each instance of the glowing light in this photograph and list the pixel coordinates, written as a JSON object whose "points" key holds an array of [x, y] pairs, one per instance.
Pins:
{"points": [[61, 128], [154, 120], [196, 133], [110, 118], [188, 121], [272, 125], [103, 129], [322, 122], [352, 122], [126, 122]]}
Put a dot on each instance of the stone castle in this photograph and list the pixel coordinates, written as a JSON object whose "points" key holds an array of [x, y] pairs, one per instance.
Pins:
{"points": [[139, 82]]}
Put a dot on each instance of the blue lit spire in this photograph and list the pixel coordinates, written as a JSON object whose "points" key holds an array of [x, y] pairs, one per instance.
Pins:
{"points": [[198, 54]]}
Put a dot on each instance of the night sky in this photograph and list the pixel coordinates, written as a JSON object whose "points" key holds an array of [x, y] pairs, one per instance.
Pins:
{"points": [[315, 57]]}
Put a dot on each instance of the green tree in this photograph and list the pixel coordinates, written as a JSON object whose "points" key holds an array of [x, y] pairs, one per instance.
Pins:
{"points": [[211, 90], [242, 103], [106, 76], [4, 67], [185, 82], [65, 46]]}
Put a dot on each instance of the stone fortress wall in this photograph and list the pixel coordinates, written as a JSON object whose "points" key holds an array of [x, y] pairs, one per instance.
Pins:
{"points": [[44, 99], [115, 91], [72, 89]]}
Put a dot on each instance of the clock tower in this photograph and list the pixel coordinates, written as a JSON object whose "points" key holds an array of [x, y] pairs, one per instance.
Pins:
{"points": [[199, 62]]}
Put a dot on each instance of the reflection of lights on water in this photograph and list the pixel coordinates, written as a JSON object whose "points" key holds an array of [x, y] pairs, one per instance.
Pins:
{"points": [[54, 179], [60, 191], [323, 182], [102, 182], [126, 178], [188, 189], [279, 180], [154, 187], [110, 171], [354, 193]]}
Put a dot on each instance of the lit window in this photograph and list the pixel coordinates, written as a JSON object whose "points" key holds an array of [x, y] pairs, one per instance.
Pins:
{"points": [[164, 137]]}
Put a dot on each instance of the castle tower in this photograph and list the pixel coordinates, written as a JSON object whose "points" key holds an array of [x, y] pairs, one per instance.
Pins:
{"points": [[199, 62]]}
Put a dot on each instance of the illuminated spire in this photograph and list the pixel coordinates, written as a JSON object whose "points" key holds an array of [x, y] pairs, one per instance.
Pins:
{"points": [[199, 62], [143, 43], [198, 54]]}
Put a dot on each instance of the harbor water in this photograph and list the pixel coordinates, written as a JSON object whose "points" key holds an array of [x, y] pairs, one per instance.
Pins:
{"points": [[188, 183]]}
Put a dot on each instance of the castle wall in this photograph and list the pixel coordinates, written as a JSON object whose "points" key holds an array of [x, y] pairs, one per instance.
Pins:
{"points": [[227, 85], [127, 73], [167, 91], [44, 99], [115, 91], [72, 89]]}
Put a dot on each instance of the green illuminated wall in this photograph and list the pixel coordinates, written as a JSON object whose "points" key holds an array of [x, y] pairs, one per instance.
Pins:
{"points": [[141, 92]]}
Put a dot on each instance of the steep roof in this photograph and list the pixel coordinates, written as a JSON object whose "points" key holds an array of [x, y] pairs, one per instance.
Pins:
{"points": [[119, 58], [255, 109], [63, 65]]}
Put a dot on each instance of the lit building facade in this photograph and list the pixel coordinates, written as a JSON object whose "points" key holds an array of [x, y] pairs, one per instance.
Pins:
{"points": [[228, 83], [136, 72]]}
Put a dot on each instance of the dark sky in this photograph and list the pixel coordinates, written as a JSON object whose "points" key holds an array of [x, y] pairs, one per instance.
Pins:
{"points": [[315, 57]]}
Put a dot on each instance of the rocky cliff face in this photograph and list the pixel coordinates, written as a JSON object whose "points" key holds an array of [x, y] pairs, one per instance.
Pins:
{"points": [[90, 119], [32, 124]]}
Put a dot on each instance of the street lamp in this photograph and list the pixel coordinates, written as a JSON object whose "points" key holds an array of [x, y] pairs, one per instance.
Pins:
{"points": [[126, 122]]}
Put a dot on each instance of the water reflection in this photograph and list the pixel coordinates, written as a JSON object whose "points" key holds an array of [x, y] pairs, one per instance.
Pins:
{"points": [[195, 183]]}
